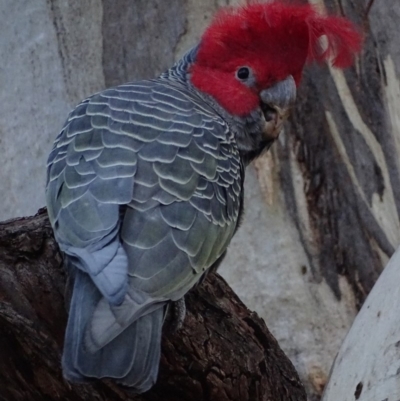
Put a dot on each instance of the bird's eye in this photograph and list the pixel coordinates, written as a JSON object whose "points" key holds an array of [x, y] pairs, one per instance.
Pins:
{"points": [[243, 73]]}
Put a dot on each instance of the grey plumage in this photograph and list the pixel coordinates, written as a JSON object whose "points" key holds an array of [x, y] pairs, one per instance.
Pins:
{"points": [[130, 357], [144, 194]]}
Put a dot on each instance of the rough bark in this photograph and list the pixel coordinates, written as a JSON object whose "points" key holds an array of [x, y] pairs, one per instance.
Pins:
{"points": [[329, 195], [223, 352], [347, 155]]}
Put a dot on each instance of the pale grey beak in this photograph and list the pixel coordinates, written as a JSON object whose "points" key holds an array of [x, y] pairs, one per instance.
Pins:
{"points": [[276, 102], [282, 95]]}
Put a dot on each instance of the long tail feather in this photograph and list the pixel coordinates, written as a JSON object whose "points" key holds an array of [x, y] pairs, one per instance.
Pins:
{"points": [[132, 358]]}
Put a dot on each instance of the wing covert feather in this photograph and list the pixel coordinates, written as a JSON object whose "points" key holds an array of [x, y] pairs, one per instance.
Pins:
{"points": [[172, 160]]}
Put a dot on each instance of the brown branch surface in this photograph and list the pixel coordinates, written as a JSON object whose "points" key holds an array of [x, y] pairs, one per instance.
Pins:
{"points": [[223, 352]]}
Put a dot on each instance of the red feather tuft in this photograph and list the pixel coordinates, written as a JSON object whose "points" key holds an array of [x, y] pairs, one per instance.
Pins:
{"points": [[343, 40], [275, 40]]}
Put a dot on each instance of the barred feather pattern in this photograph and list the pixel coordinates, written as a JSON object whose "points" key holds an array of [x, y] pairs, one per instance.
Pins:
{"points": [[161, 152]]}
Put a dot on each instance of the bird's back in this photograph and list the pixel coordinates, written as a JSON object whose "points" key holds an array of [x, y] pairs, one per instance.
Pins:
{"points": [[144, 193]]}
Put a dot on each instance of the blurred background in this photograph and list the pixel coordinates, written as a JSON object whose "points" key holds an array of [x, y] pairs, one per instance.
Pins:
{"points": [[321, 208]]}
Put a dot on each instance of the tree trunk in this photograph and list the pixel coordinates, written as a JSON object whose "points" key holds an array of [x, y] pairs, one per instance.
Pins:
{"points": [[322, 215], [223, 352], [367, 367]]}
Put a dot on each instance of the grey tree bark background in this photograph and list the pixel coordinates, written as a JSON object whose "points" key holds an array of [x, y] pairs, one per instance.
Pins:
{"points": [[322, 214]]}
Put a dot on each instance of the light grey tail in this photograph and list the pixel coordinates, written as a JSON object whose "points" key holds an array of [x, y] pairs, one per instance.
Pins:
{"points": [[132, 358]]}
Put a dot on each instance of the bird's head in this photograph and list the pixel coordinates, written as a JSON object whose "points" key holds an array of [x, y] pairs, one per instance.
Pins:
{"points": [[252, 57]]}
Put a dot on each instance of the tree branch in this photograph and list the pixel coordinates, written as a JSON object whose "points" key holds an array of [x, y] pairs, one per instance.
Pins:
{"points": [[223, 352]]}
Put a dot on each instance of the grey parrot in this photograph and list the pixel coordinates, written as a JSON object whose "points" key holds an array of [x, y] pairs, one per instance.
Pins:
{"points": [[145, 180]]}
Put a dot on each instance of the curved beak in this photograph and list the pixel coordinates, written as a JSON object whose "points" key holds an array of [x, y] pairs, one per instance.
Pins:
{"points": [[276, 102]]}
